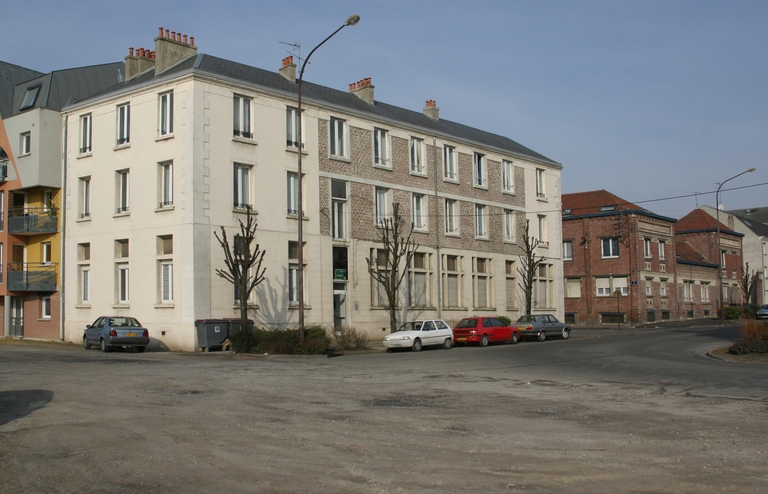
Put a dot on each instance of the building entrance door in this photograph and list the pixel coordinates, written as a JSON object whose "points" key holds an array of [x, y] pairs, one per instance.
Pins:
{"points": [[17, 317], [339, 305]]}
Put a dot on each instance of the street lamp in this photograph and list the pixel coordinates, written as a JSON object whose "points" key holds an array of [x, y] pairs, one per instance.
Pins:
{"points": [[720, 257], [351, 21]]}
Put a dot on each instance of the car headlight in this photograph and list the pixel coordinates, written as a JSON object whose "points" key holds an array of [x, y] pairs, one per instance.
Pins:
{"points": [[406, 338]]}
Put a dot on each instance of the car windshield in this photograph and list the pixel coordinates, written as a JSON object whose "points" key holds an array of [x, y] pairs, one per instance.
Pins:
{"points": [[527, 319], [124, 322], [467, 323], [411, 326]]}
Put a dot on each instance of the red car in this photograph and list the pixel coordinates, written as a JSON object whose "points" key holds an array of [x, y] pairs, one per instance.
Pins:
{"points": [[484, 330]]}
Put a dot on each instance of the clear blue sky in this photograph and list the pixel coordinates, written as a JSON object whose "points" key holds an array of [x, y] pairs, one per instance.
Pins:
{"points": [[647, 99]]}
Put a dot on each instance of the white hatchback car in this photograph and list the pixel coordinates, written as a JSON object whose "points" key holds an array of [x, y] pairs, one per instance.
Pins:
{"points": [[418, 334]]}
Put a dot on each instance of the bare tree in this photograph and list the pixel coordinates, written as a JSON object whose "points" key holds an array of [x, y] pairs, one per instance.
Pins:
{"points": [[748, 282], [529, 263], [244, 266], [399, 249]]}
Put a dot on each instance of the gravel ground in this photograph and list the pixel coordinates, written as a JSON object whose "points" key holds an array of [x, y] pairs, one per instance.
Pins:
{"points": [[77, 421]]}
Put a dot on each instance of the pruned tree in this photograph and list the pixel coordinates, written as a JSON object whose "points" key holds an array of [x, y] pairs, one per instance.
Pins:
{"points": [[529, 264], [243, 264], [748, 282], [385, 267]]}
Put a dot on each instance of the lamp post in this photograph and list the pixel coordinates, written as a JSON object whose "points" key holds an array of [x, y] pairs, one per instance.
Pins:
{"points": [[351, 21], [721, 258]]}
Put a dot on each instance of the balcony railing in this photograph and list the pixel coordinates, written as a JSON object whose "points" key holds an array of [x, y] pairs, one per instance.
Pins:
{"points": [[32, 221], [32, 276]]}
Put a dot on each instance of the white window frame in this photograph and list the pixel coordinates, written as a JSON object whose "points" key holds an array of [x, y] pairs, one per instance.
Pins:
{"points": [[165, 180], [419, 212], [123, 191], [338, 134], [292, 283], [382, 208], [479, 170], [381, 156], [25, 145], [123, 278], [484, 276], [416, 156], [603, 287], [123, 124], [424, 271], [541, 184], [339, 207], [241, 116], [662, 288], [458, 274], [509, 225], [481, 221], [165, 114], [705, 292], [613, 242], [242, 187], [507, 177], [85, 283], [46, 253], [662, 255], [451, 217], [647, 248], [510, 284], [292, 128], [543, 237], [85, 197], [166, 280], [30, 97], [567, 250], [45, 307], [292, 194], [86, 133], [649, 287], [572, 287], [450, 164]]}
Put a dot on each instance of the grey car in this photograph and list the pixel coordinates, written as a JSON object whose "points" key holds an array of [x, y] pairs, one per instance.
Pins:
{"points": [[116, 331], [762, 312], [541, 326]]}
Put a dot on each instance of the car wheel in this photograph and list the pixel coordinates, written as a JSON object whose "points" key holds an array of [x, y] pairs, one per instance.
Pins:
{"points": [[104, 346], [513, 339], [542, 336], [447, 344], [566, 334], [389, 350], [416, 345], [141, 349], [86, 345], [484, 340]]}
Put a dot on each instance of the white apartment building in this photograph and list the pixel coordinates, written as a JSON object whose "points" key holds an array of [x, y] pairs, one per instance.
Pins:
{"points": [[189, 141]]}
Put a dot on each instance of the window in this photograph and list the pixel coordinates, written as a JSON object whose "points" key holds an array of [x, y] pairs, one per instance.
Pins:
{"points": [[450, 168], [29, 98], [122, 283], [84, 197], [419, 212], [603, 287], [451, 216], [47, 200], [420, 288], [86, 131], [2, 211], [647, 248], [453, 281], [241, 117], [482, 282], [610, 247], [687, 291], [378, 292], [338, 137], [481, 220], [507, 177], [543, 287], [541, 192], [511, 285], [649, 287], [621, 285], [479, 170], [292, 128], [663, 288], [242, 187], [122, 193], [568, 250], [165, 268], [543, 240], [573, 288], [165, 181], [382, 206], [84, 272], [241, 249], [381, 148], [509, 226], [45, 307], [166, 114], [123, 124], [417, 155], [607, 286], [705, 292], [293, 194], [46, 252], [26, 143], [661, 250], [339, 213]]}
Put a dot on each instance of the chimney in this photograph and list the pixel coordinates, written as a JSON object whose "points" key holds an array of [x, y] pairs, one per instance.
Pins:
{"points": [[171, 49], [288, 69], [431, 110], [363, 89], [139, 62]]}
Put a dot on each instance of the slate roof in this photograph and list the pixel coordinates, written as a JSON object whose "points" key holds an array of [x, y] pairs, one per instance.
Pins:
{"points": [[600, 203], [63, 87], [273, 81], [699, 221], [759, 229], [687, 254], [10, 75], [756, 215]]}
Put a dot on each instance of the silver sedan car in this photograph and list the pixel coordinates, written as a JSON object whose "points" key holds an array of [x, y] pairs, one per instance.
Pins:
{"points": [[540, 326], [116, 331]]}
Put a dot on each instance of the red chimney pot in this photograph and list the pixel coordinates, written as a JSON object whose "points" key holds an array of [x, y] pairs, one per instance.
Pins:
{"points": [[130, 51], [167, 33], [185, 38], [192, 40], [161, 32]]}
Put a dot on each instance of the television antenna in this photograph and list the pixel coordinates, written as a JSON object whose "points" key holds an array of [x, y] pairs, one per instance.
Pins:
{"points": [[295, 46]]}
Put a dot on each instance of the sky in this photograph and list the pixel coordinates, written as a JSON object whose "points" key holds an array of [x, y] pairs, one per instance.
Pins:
{"points": [[650, 100]]}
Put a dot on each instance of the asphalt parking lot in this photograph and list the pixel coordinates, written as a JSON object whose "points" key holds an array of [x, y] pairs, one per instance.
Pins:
{"points": [[498, 419]]}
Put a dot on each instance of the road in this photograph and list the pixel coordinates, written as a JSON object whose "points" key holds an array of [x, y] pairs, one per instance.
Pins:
{"points": [[635, 410]]}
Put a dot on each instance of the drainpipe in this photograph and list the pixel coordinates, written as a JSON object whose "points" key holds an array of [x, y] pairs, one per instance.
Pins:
{"points": [[437, 237], [62, 210]]}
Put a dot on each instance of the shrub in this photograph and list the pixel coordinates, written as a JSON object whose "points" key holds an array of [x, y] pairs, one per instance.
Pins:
{"points": [[284, 342], [752, 330], [749, 347], [749, 311], [243, 341], [507, 321], [732, 312], [350, 338]]}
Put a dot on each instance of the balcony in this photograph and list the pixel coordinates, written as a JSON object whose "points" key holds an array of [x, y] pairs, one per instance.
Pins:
{"points": [[33, 221], [32, 276]]}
